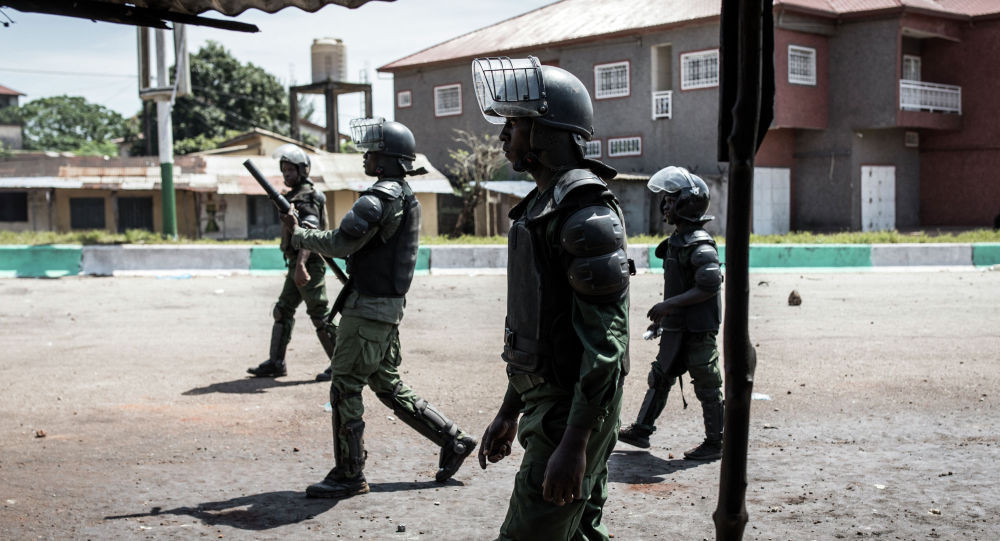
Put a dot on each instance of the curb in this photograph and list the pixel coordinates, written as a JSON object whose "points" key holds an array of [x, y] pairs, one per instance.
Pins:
{"points": [[52, 261]]}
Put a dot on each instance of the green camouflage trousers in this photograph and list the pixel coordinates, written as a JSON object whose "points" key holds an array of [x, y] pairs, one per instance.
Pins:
{"points": [[539, 431]]}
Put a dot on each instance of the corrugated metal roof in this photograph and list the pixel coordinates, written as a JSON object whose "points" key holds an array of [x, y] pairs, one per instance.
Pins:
{"points": [[235, 7], [575, 20]]}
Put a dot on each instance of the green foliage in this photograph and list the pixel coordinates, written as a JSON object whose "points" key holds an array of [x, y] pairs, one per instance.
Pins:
{"points": [[102, 236], [201, 142], [462, 239], [228, 95], [4, 151], [68, 123]]}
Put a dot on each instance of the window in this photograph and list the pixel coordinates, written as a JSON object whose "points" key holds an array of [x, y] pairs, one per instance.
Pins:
{"points": [[911, 67], [14, 207], [86, 213], [448, 100], [700, 69], [135, 213], [662, 104], [624, 146], [593, 149], [801, 65], [611, 80], [404, 99]]}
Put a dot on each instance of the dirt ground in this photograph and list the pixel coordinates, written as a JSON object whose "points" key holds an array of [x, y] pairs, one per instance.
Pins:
{"points": [[126, 412]]}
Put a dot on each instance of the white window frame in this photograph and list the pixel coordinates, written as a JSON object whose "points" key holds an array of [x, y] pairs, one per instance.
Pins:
{"points": [[663, 96], [438, 110], [404, 99], [593, 150], [809, 53], [914, 60], [620, 147], [602, 92], [699, 56]]}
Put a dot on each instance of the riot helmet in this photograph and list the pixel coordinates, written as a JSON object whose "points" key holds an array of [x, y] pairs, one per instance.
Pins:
{"points": [[384, 136], [523, 88], [689, 193], [294, 155]]}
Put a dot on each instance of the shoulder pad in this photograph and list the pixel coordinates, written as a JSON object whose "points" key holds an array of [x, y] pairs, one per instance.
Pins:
{"points": [[573, 179], [661, 248], [367, 210], [320, 197], [698, 236], [591, 231], [704, 254], [387, 189]]}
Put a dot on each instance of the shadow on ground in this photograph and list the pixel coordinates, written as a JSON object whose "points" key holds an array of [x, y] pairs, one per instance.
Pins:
{"points": [[246, 385], [643, 467]]}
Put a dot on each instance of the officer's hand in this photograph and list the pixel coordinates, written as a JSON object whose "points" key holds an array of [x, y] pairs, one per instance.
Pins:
{"points": [[659, 311], [301, 276], [497, 439], [563, 481], [289, 220]]}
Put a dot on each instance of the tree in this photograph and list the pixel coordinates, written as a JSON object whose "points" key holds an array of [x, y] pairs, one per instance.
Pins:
{"points": [[480, 160], [227, 95], [68, 123]]}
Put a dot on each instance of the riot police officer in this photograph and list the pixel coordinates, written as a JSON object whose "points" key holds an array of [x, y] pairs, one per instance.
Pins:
{"points": [[379, 237], [567, 304], [687, 320], [305, 279]]}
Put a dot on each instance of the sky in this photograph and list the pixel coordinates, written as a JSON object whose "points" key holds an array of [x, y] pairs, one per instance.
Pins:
{"points": [[48, 55]]}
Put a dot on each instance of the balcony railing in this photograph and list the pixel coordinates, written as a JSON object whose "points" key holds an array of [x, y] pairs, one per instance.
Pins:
{"points": [[933, 97], [662, 104]]}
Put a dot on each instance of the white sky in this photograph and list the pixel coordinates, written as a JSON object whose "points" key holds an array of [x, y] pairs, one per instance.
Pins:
{"points": [[47, 55]]}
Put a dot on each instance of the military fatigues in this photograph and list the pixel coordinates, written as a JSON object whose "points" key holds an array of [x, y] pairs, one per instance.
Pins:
{"points": [[565, 346], [688, 335], [311, 208], [379, 238]]}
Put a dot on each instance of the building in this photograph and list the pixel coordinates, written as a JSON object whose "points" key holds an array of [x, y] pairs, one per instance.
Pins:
{"points": [[883, 112], [10, 134], [215, 195]]}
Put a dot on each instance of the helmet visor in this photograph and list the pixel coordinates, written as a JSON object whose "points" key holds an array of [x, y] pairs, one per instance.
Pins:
{"points": [[508, 87], [367, 133], [291, 153], [670, 180]]}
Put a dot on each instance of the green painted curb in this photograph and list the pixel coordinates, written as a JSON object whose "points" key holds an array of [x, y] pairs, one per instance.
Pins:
{"points": [[810, 255], [986, 253], [269, 258], [423, 260], [48, 261]]}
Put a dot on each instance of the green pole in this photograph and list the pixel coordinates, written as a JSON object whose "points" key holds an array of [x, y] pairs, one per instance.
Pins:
{"points": [[165, 133], [169, 201]]}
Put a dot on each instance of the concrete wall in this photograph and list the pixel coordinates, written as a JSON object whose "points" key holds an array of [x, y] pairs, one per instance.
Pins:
{"points": [[800, 105], [885, 147]]}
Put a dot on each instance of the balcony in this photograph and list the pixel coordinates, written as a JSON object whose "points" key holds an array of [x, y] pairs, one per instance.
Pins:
{"points": [[931, 97], [662, 104]]}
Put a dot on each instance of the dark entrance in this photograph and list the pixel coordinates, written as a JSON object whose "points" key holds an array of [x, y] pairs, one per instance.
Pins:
{"points": [[262, 218], [135, 213], [86, 213]]}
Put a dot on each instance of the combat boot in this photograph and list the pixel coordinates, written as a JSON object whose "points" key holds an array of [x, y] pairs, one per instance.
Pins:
{"points": [[324, 375], [635, 435], [712, 410], [452, 456], [337, 485], [708, 450], [269, 369]]}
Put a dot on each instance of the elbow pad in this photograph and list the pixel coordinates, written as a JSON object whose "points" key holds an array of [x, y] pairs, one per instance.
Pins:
{"points": [[708, 272], [598, 270], [309, 221], [367, 211]]}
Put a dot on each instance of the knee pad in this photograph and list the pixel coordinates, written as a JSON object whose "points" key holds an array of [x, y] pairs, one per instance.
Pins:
{"points": [[708, 394], [658, 381]]}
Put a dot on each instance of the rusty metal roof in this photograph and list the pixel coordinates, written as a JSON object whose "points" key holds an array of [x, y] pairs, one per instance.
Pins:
{"points": [[569, 21], [4, 91]]}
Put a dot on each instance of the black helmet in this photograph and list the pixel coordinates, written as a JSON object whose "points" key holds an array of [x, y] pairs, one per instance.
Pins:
{"points": [[690, 191], [294, 155], [521, 87], [385, 137]]}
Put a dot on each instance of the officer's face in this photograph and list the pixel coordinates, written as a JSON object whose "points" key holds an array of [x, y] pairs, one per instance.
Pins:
{"points": [[290, 172], [667, 207], [516, 137], [371, 164]]}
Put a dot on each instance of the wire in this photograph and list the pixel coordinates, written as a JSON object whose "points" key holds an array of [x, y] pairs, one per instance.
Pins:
{"points": [[74, 73]]}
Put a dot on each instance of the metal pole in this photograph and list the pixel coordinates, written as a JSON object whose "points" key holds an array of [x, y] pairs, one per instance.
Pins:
{"points": [[166, 140]]}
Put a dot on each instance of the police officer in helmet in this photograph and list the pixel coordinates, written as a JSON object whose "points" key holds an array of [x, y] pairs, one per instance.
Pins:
{"points": [[305, 278], [688, 318], [567, 304], [378, 237]]}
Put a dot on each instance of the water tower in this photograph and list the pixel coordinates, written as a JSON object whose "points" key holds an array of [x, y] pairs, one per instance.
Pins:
{"points": [[329, 60]]}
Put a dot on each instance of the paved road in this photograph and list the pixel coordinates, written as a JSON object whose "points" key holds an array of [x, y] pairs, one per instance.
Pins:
{"points": [[881, 419]]}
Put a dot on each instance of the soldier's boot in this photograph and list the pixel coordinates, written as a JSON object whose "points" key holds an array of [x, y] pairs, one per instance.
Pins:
{"points": [[455, 444], [327, 334], [274, 366], [347, 477], [713, 411], [637, 434]]}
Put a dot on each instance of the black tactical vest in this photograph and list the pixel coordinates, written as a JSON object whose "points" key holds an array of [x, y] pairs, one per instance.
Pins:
{"points": [[539, 337], [678, 277], [384, 266]]}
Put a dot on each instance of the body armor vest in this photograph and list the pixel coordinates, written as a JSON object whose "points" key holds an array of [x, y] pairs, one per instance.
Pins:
{"points": [[384, 266], [678, 277], [539, 337]]}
